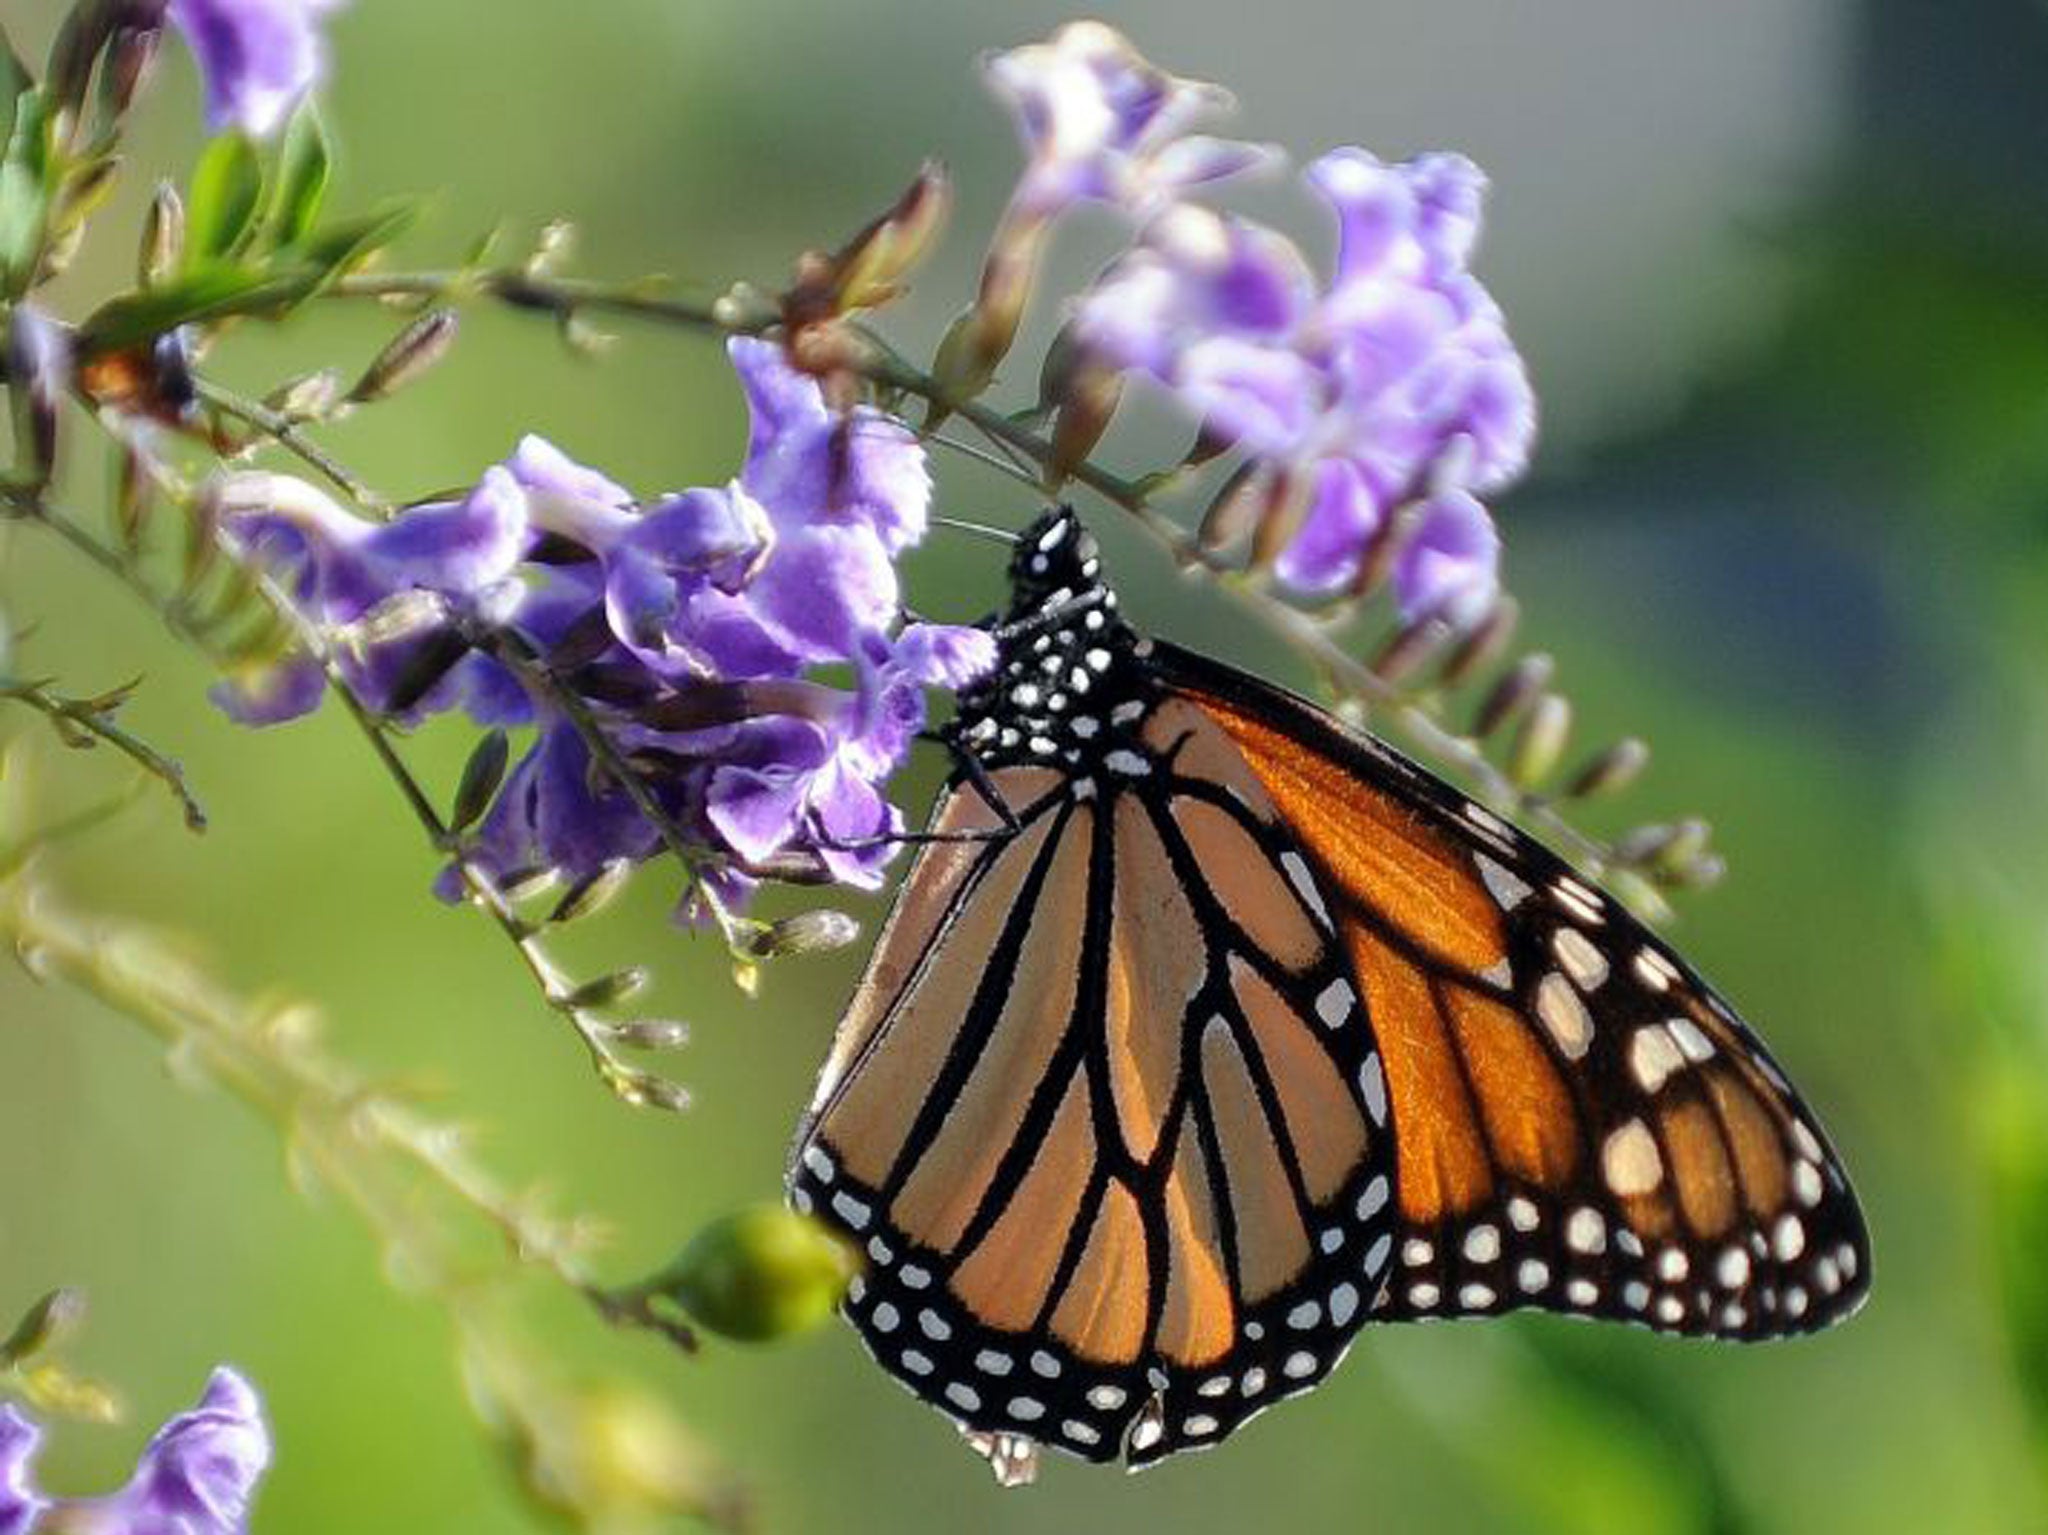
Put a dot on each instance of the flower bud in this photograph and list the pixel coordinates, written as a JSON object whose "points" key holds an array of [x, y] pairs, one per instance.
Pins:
{"points": [[1541, 740], [1086, 408], [593, 892], [163, 236], [481, 776], [46, 1324], [409, 354], [1483, 643], [869, 269], [1615, 768], [762, 1273], [1517, 687], [808, 932], [651, 1034], [1412, 647], [608, 990], [38, 374]]}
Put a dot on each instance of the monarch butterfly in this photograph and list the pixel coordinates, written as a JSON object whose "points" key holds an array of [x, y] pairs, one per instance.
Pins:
{"points": [[1206, 1029]]}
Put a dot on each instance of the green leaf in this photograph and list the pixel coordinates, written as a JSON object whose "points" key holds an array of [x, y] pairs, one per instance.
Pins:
{"points": [[14, 80], [227, 184], [24, 190], [210, 293], [341, 247], [304, 166]]}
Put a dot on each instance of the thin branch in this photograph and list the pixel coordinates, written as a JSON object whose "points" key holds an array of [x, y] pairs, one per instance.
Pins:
{"points": [[1416, 716], [268, 1059], [81, 721], [285, 431]]}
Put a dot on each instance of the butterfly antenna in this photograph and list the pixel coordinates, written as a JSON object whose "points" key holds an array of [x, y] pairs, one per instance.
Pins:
{"points": [[980, 530]]}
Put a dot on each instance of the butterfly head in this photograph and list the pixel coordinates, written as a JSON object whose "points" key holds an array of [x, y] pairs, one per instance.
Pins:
{"points": [[1064, 657], [1056, 562]]}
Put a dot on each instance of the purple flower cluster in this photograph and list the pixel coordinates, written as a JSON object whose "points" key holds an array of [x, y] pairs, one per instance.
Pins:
{"points": [[257, 58], [196, 1477], [1391, 391], [691, 630]]}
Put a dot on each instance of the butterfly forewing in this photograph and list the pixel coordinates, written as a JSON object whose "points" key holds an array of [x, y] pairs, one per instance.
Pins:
{"points": [[1580, 1123], [1106, 1127]]}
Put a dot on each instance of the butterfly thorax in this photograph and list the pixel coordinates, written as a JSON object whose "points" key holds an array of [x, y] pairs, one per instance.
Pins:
{"points": [[1069, 686]]}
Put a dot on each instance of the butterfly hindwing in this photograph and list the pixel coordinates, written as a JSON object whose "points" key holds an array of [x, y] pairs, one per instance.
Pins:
{"points": [[1580, 1122]]}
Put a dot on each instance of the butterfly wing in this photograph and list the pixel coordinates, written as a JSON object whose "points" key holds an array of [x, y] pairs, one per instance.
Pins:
{"points": [[1581, 1123], [1104, 1112]]}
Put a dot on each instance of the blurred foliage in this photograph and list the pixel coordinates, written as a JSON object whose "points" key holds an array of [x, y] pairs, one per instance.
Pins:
{"points": [[1815, 578]]}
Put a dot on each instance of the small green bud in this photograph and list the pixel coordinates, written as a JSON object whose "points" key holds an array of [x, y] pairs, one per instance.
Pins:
{"points": [[481, 777], [761, 1273], [48, 1321], [1541, 740], [593, 892], [608, 990]]}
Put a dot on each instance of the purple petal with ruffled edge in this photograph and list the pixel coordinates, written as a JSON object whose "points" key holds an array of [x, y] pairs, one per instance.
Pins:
{"points": [[458, 547], [20, 1503], [289, 690], [825, 590], [808, 465], [1450, 566], [199, 1473], [1343, 515], [547, 473], [256, 57], [945, 655]]}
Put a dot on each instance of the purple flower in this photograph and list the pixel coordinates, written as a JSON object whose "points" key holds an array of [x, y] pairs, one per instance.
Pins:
{"points": [[257, 57], [811, 466], [196, 1476], [690, 630], [1395, 386], [1101, 124], [381, 591]]}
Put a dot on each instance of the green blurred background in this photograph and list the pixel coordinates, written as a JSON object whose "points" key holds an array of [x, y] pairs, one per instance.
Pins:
{"points": [[1781, 274]]}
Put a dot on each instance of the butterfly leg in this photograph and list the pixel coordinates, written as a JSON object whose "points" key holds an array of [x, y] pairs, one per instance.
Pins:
{"points": [[977, 778]]}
